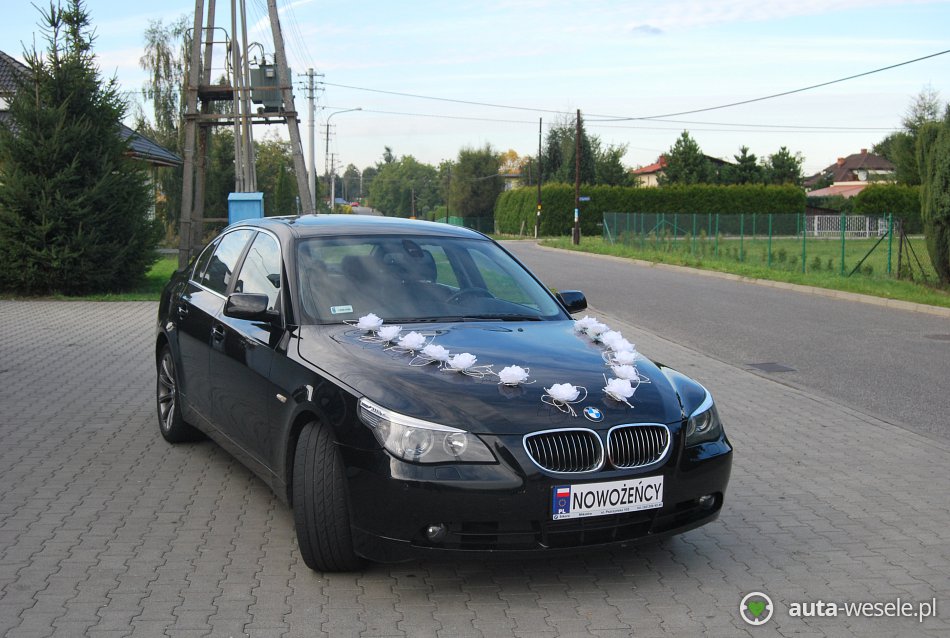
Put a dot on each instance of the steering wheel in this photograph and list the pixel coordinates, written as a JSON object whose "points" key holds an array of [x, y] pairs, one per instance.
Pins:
{"points": [[466, 293]]}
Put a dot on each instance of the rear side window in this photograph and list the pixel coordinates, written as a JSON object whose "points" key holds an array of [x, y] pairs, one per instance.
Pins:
{"points": [[202, 262], [217, 276], [260, 272]]}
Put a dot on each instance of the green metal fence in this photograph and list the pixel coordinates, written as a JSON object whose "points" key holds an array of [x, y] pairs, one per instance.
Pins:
{"points": [[843, 244]]}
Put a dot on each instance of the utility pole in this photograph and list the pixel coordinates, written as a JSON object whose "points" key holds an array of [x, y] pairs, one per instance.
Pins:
{"points": [[290, 112], [202, 93], [311, 154], [332, 182], [576, 237], [327, 151], [537, 218]]}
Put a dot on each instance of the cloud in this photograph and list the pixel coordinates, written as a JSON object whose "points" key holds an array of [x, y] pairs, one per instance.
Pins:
{"points": [[646, 29]]}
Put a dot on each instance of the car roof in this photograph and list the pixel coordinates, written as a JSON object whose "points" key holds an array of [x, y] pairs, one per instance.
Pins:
{"points": [[331, 225]]}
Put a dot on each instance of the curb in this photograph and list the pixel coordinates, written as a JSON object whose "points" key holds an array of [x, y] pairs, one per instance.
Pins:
{"points": [[871, 300]]}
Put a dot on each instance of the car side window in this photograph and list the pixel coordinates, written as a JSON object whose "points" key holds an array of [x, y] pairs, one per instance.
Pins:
{"points": [[260, 272], [202, 262], [217, 276]]}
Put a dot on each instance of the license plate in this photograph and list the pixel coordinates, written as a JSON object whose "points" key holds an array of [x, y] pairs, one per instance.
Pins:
{"points": [[601, 499]]}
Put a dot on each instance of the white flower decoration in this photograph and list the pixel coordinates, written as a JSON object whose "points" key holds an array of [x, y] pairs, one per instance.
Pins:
{"points": [[412, 341], [619, 390], [626, 372], [369, 323], [462, 362], [388, 333], [596, 329], [625, 357], [436, 352], [613, 339], [563, 392], [513, 375], [562, 395], [582, 324]]}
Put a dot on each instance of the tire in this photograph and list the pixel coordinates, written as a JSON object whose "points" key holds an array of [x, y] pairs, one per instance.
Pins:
{"points": [[173, 427], [321, 503]]}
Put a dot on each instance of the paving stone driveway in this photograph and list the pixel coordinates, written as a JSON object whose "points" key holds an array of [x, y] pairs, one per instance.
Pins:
{"points": [[106, 530]]}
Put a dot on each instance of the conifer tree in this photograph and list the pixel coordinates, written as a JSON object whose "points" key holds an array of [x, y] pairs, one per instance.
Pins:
{"points": [[73, 205], [933, 158]]}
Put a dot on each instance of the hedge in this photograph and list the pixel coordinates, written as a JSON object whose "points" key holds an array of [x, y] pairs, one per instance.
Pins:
{"points": [[900, 200], [517, 206]]}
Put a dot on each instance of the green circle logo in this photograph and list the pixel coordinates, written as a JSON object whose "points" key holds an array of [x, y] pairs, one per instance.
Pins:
{"points": [[756, 608]]}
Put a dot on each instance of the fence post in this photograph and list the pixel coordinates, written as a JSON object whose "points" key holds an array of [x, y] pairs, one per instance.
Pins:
{"points": [[676, 227], [717, 235], [770, 242], [741, 234], [804, 235], [693, 248], [843, 224], [890, 239], [642, 230]]}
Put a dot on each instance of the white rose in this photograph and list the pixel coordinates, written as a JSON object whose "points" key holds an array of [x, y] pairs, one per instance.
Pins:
{"points": [[563, 392]]}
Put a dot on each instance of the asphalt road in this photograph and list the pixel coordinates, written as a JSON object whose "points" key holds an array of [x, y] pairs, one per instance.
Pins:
{"points": [[887, 363]]}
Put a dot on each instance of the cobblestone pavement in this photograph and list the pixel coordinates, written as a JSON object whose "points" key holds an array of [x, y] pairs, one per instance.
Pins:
{"points": [[106, 530]]}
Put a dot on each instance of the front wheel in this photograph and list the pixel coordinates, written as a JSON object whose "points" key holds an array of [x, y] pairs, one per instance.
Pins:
{"points": [[170, 422], [321, 503]]}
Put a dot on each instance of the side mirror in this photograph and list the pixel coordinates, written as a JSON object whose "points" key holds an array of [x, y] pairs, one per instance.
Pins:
{"points": [[251, 306], [573, 300]]}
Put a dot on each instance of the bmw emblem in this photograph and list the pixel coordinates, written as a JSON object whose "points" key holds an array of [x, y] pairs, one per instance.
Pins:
{"points": [[593, 414]]}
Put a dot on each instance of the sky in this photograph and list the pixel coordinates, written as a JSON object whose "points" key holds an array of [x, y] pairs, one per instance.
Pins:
{"points": [[547, 58]]}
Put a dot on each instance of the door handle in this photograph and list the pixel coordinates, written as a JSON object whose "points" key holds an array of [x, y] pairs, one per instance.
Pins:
{"points": [[182, 311], [217, 332]]}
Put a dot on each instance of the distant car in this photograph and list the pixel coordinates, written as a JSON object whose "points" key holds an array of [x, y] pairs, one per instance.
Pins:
{"points": [[411, 389], [354, 204]]}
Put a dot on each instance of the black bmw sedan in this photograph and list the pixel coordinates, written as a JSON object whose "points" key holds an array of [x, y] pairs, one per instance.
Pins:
{"points": [[411, 389]]}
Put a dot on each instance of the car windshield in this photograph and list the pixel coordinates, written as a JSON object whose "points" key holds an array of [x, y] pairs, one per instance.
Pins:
{"points": [[416, 279]]}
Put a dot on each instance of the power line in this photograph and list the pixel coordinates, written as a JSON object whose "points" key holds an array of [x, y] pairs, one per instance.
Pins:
{"points": [[446, 99], [793, 91], [619, 118], [765, 128]]}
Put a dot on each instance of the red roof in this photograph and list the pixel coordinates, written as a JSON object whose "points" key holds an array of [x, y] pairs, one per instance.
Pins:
{"points": [[845, 190], [656, 166]]}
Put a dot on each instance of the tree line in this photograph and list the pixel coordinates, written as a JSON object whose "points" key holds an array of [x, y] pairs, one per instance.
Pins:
{"points": [[75, 210]]}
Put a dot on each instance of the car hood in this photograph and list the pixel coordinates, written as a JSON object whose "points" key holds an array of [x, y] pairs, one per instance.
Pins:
{"points": [[550, 350]]}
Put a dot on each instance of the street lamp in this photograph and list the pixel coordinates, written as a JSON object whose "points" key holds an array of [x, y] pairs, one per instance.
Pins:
{"points": [[327, 156]]}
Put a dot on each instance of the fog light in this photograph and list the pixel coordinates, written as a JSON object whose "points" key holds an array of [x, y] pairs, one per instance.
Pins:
{"points": [[436, 533], [706, 502]]}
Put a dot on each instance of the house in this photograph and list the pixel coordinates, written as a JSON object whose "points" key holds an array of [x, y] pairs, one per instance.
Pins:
{"points": [[649, 176], [852, 174], [140, 147]]}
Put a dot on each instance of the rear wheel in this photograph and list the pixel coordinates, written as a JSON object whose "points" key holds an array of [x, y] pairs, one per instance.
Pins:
{"points": [[321, 503], [170, 422]]}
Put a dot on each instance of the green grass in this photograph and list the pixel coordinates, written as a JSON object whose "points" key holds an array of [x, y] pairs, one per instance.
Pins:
{"points": [[786, 263], [149, 290]]}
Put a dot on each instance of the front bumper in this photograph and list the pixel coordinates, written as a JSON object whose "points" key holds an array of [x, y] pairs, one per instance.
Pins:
{"points": [[505, 508]]}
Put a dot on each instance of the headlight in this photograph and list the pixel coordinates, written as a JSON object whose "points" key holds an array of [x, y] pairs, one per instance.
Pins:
{"points": [[703, 424], [412, 439]]}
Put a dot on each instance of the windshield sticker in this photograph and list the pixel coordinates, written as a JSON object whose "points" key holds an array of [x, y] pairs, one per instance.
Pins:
{"points": [[341, 310]]}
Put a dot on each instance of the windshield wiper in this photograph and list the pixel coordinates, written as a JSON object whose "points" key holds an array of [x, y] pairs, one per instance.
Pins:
{"points": [[496, 316], [502, 316]]}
